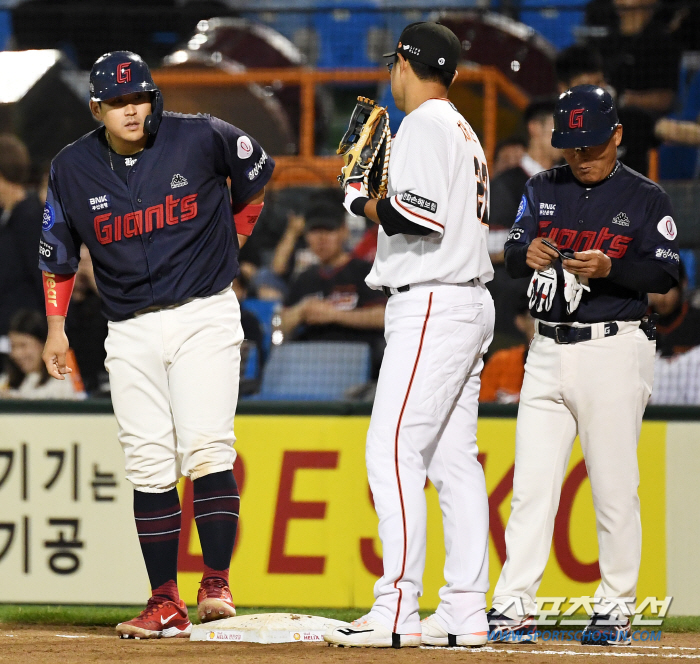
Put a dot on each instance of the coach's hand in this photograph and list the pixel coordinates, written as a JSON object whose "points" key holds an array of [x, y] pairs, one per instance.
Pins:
{"points": [[593, 264], [540, 256], [56, 347]]}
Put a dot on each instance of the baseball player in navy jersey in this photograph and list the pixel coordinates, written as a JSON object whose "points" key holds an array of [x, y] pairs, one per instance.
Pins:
{"points": [[432, 261], [590, 367], [147, 194]]}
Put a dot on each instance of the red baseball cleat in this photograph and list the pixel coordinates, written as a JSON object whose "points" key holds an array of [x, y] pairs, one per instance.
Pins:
{"points": [[214, 600], [161, 618]]}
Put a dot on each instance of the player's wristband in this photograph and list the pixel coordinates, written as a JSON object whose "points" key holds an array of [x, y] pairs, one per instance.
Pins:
{"points": [[246, 216], [357, 207], [57, 291]]}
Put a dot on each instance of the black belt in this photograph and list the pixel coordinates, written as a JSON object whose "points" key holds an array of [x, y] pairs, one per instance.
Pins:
{"points": [[567, 334], [392, 291]]}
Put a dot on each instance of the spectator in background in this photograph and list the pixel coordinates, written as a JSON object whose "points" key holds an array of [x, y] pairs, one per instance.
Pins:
{"points": [[508, 154], [331, 301], [20, 229], [582, 65], [677, 365], [503, 374], [678, 325], [506, 194], [86, 328], [640, 55], [25, 376], [252, 339]]}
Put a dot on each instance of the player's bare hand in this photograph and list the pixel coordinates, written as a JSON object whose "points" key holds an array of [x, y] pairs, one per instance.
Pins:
{"points": [[593, 264], [540, 256], [319, 312], [55, 350]]}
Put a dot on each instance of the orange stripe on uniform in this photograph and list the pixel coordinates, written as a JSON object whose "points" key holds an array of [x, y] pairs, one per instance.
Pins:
{"points": [[415, 214], [396, 462]]}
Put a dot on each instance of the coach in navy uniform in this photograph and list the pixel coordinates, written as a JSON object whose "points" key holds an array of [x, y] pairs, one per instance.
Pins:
{"points": [[612, 240]]}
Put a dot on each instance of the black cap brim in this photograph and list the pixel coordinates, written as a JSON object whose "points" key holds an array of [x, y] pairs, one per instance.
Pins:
{"points": [[389, 55], [564, 140]]}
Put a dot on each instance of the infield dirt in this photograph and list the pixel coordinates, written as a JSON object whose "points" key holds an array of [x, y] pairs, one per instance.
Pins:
{"points": [[79, 645]]}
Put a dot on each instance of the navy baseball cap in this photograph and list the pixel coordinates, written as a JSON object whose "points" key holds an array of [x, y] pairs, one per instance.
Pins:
{"points": [[119, 73], [584, 116], [431, 44]]}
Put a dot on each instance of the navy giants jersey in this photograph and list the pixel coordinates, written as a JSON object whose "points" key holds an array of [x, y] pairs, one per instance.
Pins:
{"points": [[167, 235], [626, 216]]}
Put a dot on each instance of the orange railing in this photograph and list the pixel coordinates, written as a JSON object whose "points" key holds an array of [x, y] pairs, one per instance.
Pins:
{"points": [[307, 167]]}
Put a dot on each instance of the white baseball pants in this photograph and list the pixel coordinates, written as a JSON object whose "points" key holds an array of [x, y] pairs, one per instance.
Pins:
{"points": [[598, 389], [173, 375], [424, 423]]}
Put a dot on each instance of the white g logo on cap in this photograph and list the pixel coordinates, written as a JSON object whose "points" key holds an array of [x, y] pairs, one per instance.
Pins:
{"points": [[441, 61]]}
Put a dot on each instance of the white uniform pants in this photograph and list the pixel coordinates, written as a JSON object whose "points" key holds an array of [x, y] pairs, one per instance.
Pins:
{"points": [[424, 423], [598, 389], [173, 375]]}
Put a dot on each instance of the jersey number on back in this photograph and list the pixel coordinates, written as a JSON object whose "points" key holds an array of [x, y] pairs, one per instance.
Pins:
{"points": [[482, 181]]}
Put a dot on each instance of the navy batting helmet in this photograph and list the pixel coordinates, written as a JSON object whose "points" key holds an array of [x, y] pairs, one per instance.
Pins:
{"points": [[122, 73], [584, 116]]}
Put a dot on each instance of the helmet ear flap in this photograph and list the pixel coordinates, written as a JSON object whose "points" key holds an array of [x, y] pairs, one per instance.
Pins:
{"points": [[152, 121]]}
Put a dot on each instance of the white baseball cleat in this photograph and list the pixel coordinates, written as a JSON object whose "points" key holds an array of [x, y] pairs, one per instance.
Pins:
{"points": [[434, 634], [368, 633]]}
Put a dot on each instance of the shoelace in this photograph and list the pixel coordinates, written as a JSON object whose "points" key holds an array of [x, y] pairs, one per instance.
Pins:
{"points": [[215, 585], [153, 605]]}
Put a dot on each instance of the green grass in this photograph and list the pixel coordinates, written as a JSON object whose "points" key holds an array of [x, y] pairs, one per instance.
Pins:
{"points": [[108, 616], [41, 614]]}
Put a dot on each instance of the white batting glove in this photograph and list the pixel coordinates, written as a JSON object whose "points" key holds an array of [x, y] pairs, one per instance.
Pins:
{"points": [[541, 290], [354, 190], [573, 290]]}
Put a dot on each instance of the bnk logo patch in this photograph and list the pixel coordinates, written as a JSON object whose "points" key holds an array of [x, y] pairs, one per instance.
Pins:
{"points": [[100, 202]]}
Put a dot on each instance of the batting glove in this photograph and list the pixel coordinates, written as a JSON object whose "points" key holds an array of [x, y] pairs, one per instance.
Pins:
{"points": [[542, 287], [353, 191], [573, 290]]}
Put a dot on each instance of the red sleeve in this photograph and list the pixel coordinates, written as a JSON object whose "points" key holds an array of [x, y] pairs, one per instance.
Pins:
{"points": [[57, 291]]}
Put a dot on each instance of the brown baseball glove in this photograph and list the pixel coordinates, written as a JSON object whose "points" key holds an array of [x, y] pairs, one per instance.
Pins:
{"points": [[365, 148]]}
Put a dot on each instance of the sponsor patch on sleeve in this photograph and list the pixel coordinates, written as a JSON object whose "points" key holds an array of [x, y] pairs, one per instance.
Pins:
{"points": [[49, 217], [521, 210], [667, 255], [46, 250], [257, 168], [667, 228], [419, 201], [516, 235], [244, 147]]}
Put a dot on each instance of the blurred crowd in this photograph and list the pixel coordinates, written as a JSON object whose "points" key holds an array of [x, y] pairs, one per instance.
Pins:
{"points": [[303, 279], [303, 270]]}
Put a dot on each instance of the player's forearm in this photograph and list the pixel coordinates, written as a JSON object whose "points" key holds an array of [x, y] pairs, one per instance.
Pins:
{"points": [[516, 261], [57, 324], [367, 318], [382, 212], [641, 276]]}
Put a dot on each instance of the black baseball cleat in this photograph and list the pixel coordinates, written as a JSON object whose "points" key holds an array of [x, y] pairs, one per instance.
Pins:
{"points": [[503, 629], [606, 630]]}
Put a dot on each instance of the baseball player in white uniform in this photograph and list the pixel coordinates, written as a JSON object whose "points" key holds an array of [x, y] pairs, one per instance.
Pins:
{"points": [[432, 262]]}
